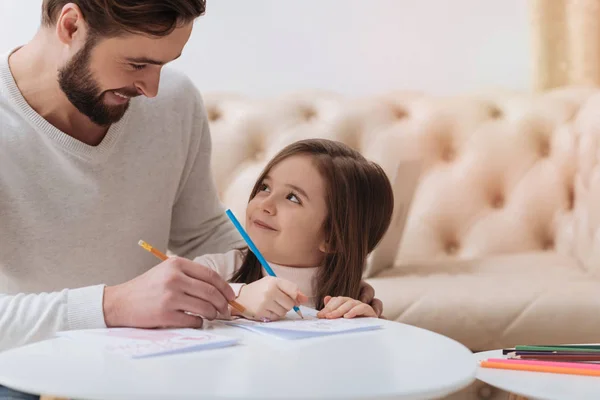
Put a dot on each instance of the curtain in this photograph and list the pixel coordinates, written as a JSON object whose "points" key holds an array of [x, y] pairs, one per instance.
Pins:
{"points": [[565, 43]]}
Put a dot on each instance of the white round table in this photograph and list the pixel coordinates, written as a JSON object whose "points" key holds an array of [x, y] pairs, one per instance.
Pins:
{"points": [[538, 385], [398, 361]]}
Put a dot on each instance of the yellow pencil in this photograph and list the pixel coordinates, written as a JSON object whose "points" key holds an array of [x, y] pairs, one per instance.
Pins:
{"points": [[160, 255]]}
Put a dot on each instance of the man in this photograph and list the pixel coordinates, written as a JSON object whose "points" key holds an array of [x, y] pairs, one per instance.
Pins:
{"points": [[92, 161]]}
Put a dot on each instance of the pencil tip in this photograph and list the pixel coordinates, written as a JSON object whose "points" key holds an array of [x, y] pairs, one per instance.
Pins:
{"points": [[300, 314]]}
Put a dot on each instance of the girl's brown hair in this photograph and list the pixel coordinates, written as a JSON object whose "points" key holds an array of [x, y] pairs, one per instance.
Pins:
{"points": [[360, 203], [110, 18]]}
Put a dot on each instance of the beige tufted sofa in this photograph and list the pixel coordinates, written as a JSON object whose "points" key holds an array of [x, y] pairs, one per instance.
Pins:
{"points": [[501, 243]]}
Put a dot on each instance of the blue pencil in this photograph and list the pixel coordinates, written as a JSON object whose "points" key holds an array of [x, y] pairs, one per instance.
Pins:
{"points": [[254, 249]]}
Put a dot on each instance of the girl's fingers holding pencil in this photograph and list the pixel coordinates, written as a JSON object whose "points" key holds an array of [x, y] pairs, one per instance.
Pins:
{"points": [[269, 316], [284, 300], [278, 309], [270, 295], [301, 299], [287, 287]]}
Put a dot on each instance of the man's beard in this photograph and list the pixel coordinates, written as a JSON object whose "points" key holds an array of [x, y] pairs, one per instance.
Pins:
{"points": [[76, 81]]}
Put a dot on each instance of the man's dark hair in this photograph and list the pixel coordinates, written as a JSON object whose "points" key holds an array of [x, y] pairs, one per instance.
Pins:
{"points": [[111, 18]]}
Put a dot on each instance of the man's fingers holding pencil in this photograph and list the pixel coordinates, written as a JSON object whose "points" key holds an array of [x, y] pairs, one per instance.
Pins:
{"points": [[202, 291], [182, 320], [160, 296], [209, 276], [197, 306]]}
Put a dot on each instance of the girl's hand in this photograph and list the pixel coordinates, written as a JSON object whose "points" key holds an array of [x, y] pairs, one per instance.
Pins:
{"points": [[270, 298], [338, 307]]}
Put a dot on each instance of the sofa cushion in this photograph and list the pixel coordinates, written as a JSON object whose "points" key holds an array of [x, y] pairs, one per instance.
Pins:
{"points": [[497, 301], [498, 169]]}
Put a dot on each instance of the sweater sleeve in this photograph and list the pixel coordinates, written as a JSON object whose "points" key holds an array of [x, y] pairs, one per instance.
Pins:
{"points": [[225, 264], [199, 224], [26, 318]]}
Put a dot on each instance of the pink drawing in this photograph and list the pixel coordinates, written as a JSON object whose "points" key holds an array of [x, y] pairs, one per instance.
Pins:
{"points": [[140, 334]]}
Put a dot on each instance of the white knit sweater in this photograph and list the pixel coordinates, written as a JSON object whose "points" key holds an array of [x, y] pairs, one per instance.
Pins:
{"points": [[71, 215]]}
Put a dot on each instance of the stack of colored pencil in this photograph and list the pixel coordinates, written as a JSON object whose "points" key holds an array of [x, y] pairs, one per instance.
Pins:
{"points": [[562, 359], [586, 353]]}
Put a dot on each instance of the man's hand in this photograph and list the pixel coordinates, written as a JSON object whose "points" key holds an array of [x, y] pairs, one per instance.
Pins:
{"points": [[367, 295], [161, 297]]}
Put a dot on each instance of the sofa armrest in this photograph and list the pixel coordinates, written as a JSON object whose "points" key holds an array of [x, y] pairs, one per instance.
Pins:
{"points": [[586, 196]]}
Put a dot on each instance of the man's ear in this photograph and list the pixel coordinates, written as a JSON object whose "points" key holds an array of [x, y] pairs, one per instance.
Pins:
{"points": [[71, 26]]}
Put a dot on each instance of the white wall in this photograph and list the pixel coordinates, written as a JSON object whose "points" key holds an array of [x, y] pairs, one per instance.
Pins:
{"points": [[357, 47]]}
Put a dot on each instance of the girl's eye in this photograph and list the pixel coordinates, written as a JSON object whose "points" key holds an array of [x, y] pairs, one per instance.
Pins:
{"points": [[292, 197], [138, 66], [264, 187]]}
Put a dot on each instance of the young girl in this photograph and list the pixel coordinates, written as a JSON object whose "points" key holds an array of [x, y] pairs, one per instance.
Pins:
{"points": [[316, 212]]}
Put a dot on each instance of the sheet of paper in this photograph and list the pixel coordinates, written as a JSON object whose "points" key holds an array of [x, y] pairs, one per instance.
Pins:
{"points": [[293, 327], [138, 343]]}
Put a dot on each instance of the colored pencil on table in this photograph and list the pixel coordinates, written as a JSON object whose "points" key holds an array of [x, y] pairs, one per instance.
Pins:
{"points": [[254, 249], [558, 364], [567, 346], [160, 255], [507, 365], [583, 349], [552, 353], [553, 348], [558, 357]]}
